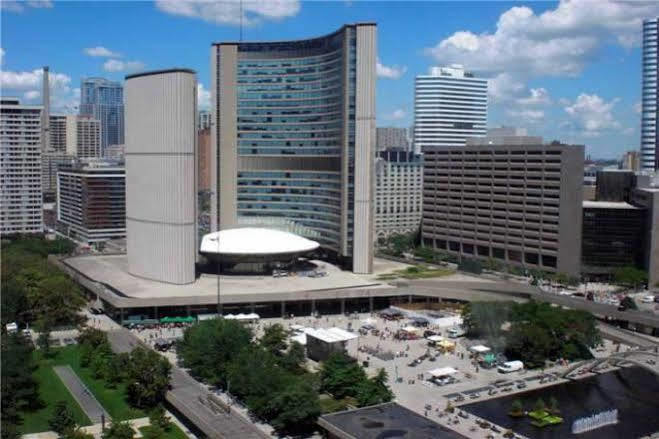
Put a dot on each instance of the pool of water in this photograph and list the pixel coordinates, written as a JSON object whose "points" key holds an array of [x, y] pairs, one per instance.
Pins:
{"points": [[633, 391]]}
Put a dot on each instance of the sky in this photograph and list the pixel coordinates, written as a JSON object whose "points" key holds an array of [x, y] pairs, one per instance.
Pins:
{"points": [[568, 70]]}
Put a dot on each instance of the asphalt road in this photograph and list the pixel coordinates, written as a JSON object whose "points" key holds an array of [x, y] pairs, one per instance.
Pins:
{"points": [[92, 408], [192, 399]]}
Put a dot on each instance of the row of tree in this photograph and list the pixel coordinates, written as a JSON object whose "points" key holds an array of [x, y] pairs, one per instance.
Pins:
{"points": [[269, 376], [534, 331], [35, 292]]}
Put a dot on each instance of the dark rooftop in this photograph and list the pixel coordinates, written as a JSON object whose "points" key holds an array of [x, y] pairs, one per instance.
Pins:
{"points": [[389, 420]]}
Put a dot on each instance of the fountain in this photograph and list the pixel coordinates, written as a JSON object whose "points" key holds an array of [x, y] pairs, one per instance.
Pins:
{"points": [[595, 421]]}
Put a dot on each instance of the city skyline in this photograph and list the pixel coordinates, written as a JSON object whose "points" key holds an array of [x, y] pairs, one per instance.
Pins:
{"points": [[557, 88]]}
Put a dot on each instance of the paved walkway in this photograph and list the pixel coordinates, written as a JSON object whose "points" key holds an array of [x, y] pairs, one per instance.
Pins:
{"points": [[88, 403], [95, 430]]}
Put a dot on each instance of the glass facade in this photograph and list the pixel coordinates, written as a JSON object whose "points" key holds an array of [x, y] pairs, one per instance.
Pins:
{"points": [[104, 100], [296, 100]]}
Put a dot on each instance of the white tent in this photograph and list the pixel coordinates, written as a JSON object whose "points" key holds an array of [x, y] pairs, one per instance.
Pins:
{"points": [[202, 317], [480, 349], [229, 317], [300, 338], [369, 321], [442, 372], [11, 327], [297, 327], [331, 335], [435, 338], [410, 329]]}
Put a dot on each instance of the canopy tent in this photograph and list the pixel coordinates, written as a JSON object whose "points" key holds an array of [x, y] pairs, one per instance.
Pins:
{"points": [[420, 320], [300, 338], [250, 316], [442, 372], [446, 344], [331, 335], [391, 312], [202, 317], [369, 321], [480, 349], [229, 317], [435, 338], [297, 327]]}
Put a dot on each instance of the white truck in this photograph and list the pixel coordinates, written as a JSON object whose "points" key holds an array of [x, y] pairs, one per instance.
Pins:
{"points": [[456, 332], [510, 366]]}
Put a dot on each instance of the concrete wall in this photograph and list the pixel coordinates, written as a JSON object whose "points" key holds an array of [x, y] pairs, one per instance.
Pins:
{"points": [[161, 182], [570, 212], [364, 149]]}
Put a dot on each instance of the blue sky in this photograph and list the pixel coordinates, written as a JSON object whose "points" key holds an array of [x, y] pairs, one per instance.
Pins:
{"points": [[568, 70]]}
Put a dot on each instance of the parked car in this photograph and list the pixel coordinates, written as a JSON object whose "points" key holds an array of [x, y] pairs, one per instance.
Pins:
{"points": [[510, 366]]}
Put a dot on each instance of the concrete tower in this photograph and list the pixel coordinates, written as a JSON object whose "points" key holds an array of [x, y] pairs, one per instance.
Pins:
{"points": [[161, 176]]}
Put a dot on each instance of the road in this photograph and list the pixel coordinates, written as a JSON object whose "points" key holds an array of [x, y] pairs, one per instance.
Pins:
{"points": [[192, 399], [92, 408]]}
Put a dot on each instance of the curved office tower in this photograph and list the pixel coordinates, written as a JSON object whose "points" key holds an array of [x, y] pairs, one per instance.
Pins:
{"points": [[161, 175], [293, 127]]}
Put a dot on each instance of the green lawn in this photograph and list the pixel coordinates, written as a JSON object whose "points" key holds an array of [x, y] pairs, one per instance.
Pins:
{"points": [[173, 433], [51, 390], [113, 400]]}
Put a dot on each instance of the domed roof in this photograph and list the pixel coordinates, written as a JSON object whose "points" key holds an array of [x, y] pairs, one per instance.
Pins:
{"points": [[255, 241]]}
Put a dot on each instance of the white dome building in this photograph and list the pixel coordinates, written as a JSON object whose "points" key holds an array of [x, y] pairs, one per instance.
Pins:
{"points": [[255, 247]]}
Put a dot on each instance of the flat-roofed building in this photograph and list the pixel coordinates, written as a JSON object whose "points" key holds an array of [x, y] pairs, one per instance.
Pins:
{"points": [[75, 135], [519, 204], [91, 202], [20, 167], [612, 236], [648, 198]]}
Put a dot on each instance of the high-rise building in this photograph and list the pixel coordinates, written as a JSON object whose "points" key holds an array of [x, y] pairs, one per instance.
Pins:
{"points": [[391, 137], [103, 99], [450, 105], [519, 204], [161, 175], [20, 167], [398, 192], [631, 160], [91, 202], [75, 135], [51, 163], [650, 97], [294, 145], [204, 120]]}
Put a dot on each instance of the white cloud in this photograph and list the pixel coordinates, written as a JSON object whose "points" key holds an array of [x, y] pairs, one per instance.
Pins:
{"points": [[19, 6], [504, 87], [63, 98], [638, 107], [228, 11], [593, 114], [115, 65], [537, 96], [528, 116], [101, 51], [396, 114], [389, 72], [203, 97], [558, 42]]}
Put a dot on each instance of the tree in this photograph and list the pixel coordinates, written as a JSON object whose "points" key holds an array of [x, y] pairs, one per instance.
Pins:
{"points": [[484, 319], [208, 348], [341, 375], [43, 341], [274, 339], [148, 378], [553, 406], [630, 276], [425, 253], [516, 408], [119, 430], [19, 388], [62, 419], [539, 405], [296, 408], [294, 359], [158, 418], [374, 390], [628, 303]]}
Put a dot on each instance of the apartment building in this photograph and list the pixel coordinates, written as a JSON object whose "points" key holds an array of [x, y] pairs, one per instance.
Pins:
{"points": [[75, 135], [91, 202], [517, 203], [20, 167]]}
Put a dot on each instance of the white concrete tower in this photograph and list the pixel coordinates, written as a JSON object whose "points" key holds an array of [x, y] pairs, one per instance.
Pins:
{"points": [[161, 176]]}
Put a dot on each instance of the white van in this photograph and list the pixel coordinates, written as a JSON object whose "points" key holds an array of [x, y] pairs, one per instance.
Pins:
{"points": [[510, 366], [456, 332]]}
